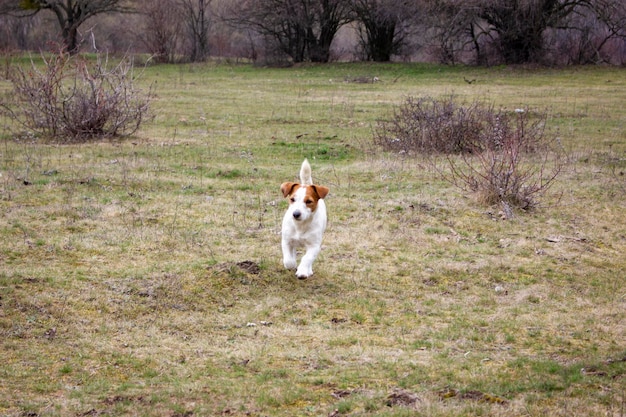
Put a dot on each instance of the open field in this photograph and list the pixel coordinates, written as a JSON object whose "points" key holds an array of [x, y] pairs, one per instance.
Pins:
{"points": [[143, 276]]}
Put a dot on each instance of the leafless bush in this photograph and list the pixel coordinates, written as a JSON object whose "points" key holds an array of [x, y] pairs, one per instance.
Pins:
{"points": [[428, 125], [73, 99], [515, 173], [503, 156]]}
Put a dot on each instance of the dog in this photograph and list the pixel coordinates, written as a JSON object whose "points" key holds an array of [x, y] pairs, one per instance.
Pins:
{"points": [[304, 222]]}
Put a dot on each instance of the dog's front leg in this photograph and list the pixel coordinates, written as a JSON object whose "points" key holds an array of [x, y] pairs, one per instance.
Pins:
{"points": [[289, 255], [305, 269]]}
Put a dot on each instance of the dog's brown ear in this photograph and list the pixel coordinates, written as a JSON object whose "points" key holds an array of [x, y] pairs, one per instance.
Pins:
{"points": [[287, 188], [321, 190]]}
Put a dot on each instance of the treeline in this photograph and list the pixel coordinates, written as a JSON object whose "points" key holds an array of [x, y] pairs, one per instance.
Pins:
{"points": [[282, 32]]}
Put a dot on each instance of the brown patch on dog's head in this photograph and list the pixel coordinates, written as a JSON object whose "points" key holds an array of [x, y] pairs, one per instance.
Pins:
{"points": [[288, 187], [313, 194], [321, 190]]}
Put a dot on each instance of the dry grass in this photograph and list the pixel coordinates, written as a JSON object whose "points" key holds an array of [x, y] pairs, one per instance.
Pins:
{"points": [[143, 277]]}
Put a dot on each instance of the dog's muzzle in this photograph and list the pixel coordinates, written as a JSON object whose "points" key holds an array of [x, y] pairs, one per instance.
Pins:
{"points": [[297, 214]]}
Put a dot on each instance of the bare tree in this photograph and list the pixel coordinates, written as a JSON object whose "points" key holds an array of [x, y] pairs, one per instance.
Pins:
{"points": [[522, 31], [301, 29], [14, 32], [328, 17], [384, 26], [454, 29], [611, 15], [520, 24], [70, 14], [162, 28], [196, 15]]}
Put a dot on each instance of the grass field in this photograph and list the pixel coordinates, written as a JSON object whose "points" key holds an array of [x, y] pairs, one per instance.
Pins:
{"points": [[143, 276]]}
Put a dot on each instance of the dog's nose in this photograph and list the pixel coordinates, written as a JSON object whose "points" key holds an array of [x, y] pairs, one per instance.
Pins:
{"points": [[296, 214]]}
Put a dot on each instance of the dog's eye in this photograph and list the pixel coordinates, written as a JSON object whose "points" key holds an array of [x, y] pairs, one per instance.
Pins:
{"points": [[293, 200], [308, 202]]}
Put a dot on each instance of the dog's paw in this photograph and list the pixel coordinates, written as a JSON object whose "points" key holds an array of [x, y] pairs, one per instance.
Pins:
{"points": [[303, 274], [290, 263]]}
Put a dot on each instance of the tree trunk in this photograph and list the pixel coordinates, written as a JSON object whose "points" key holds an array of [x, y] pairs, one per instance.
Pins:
{"points": [[70, 39]]}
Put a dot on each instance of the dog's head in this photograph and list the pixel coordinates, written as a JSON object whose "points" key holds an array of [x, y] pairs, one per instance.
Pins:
{"points": [[303, 199]]}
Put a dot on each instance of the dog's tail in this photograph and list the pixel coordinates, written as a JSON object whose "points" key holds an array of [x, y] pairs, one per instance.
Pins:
{"points": [[305, 173]]}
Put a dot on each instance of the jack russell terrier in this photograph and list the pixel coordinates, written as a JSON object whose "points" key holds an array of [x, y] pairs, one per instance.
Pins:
{"points": [[304, 222]]}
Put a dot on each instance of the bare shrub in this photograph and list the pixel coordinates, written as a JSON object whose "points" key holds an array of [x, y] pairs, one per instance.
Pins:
{"points": [[427, 125], [72, 99], [504, 157], [517, 171]]}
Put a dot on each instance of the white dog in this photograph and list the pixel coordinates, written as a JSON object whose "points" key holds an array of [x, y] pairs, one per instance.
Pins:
{"points": [[304, 222]]}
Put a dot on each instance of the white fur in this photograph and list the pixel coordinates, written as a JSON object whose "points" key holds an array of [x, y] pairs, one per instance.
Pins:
{"points": [[303, 227]]}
